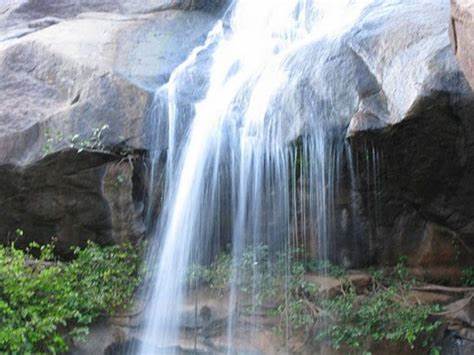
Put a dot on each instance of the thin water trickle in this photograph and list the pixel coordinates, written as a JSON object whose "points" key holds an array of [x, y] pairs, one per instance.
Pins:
{"points": [[257, 160]]}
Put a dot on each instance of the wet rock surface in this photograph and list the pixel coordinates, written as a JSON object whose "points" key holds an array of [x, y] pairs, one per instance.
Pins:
{"points": [[407, 109], [392, 85], [398, 94], [205, 321]]}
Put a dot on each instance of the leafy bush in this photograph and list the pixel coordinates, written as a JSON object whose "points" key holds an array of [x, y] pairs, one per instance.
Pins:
{"points": [[45, 304], [385, 313], [216, 276]]}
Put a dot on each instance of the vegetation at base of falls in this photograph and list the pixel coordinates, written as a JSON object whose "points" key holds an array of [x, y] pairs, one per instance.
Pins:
{"points": [[46, 304], [383, 312], [216, 276], [468, 276], [255, 274]]}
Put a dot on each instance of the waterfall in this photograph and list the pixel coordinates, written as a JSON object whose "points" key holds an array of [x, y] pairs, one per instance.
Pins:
{"points": [[256, 160]]}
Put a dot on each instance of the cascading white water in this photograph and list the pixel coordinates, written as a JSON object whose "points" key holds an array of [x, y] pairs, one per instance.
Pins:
{"points": [[231, 169]]}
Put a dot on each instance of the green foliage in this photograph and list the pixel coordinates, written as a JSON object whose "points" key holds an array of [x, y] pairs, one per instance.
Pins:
{"points": [[383, 314], [93, 141], [325, 267], [45, 303], [52, 138], [468, 276], [216, 276], [255, 273]]}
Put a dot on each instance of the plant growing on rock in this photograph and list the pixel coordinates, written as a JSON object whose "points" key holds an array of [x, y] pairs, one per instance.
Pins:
{"points": [[384, 315], [94, 142], [52, 138], [383, 312]]}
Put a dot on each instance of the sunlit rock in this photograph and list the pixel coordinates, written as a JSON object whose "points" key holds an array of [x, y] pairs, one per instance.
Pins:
{"points": [[462, 35], [82, 73]]}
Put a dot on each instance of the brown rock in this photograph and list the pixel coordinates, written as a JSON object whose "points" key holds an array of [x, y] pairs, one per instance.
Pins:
{"points": [[462, 311], [462, 35], [72, 198], [331, 286], [421, 297]]}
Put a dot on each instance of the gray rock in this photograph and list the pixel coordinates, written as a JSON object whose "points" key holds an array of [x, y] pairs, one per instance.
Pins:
{"points": [[374, 75], [69, 68], [20, 13], [391, 85], [462, 35], [83, 73]]}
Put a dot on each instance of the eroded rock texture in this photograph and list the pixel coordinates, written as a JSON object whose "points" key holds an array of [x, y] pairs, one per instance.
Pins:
{"points": [[69, 68], [70, 198], [462, 35], [82, 73], [392, 86]]}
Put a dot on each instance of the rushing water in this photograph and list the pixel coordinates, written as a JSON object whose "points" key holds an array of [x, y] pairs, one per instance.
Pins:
{"points": [[256, 160]]}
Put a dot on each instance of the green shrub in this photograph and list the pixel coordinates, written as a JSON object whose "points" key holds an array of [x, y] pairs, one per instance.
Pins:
{"points": [[357, 321], [468, 277], [384, 315], [45, 303]]}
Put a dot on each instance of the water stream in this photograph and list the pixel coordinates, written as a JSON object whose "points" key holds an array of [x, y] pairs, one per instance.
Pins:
{"points": [[256, 160]]}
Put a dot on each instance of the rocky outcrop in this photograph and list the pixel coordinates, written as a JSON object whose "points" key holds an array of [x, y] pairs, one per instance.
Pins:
{"points": [[205, 316], [69, 69], [407, 111], [69, 198], [390, 84], [412, 142], [462, 35], [80, 74]]}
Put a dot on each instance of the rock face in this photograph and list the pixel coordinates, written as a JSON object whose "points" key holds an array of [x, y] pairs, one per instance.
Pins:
{"points": [[407, 112], [411, 137], [69, 68], [462, 35], [205, 318], [70, 198], [82, 73], [390, 84]]}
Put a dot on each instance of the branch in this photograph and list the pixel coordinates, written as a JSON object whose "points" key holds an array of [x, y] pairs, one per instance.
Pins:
{"points": [[445, 289]]}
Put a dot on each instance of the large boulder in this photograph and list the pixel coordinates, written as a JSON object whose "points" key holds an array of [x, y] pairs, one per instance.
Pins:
{"points": [[412, 140], [390, 85], [85, 69], [81, 74], [408, 111], [70, 198], [462, 35], [20, 17]]}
